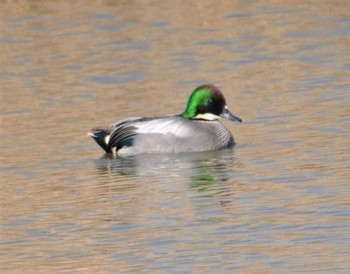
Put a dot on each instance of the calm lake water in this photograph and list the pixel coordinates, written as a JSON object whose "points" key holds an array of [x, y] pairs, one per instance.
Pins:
{"points": [[278, 202]]}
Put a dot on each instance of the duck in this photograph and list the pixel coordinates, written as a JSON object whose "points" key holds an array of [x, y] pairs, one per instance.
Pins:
{"points": [[196, 129]]}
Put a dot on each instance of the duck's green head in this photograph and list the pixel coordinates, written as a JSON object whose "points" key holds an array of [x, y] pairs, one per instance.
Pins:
{"points": [[208, 103]]}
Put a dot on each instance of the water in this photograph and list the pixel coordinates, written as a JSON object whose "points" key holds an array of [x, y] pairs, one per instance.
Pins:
{"points": [[277, 202]]}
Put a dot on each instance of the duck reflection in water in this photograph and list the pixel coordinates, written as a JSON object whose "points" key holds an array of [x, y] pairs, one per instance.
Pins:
{"points": [[202, 169]]}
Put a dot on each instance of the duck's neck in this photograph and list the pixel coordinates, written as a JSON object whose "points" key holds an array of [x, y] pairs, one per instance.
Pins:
{"points": [[204, 116], [187, 115], [190, 111]]}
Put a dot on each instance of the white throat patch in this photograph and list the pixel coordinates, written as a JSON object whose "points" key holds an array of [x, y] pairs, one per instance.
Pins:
{"points": [[207, 116]]}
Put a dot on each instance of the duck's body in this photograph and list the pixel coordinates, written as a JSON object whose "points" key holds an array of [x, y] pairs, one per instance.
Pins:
{"points": [[197, 129]]}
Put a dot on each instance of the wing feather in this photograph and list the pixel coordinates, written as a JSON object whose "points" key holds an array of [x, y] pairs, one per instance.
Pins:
{"points": [[127, 129], [120, 135]]}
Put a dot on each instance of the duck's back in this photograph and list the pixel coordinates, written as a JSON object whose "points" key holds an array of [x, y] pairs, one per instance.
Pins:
{"points": [[173, 134]]}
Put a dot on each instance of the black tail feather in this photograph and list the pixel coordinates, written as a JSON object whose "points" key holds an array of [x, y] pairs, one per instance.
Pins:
{"points": [[99, 136]]}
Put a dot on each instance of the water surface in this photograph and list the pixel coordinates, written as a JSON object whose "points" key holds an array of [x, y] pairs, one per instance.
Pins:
{"points": [[277, 202]]}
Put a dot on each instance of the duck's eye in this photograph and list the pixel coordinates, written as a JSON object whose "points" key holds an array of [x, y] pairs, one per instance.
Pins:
{"points": [[210, 101]]}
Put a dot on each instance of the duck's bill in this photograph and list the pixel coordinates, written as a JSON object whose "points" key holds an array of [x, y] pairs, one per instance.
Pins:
{"points": [[228, 115]]}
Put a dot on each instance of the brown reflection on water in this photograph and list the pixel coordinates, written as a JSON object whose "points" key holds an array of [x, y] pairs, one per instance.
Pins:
{"points": [[278, 202]]}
